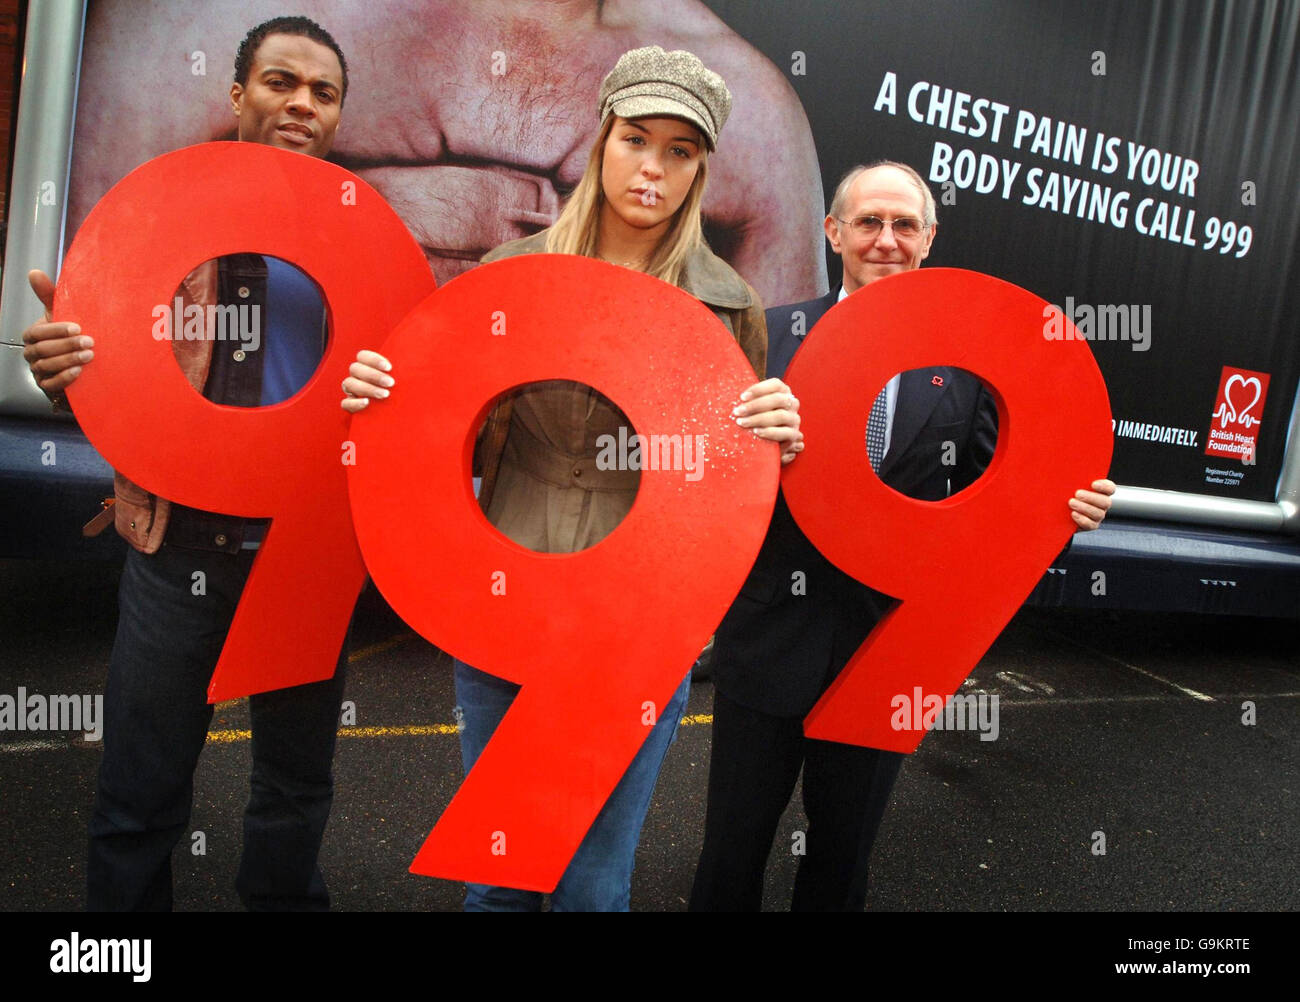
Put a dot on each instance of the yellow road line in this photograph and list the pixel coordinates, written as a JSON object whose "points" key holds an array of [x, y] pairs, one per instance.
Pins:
{"points": [[228, 737], [409, 731]]}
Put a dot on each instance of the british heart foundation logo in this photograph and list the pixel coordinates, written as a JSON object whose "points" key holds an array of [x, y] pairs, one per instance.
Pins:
{"points": [[1234, 425]]}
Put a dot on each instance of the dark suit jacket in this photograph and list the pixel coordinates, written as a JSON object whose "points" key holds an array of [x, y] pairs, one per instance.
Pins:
{"points": [[777, 650]]}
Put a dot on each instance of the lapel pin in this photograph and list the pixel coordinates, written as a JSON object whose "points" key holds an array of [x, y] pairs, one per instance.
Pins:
{"points": [[937, 380]]}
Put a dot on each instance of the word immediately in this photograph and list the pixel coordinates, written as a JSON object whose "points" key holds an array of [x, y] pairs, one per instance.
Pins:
{"points": [[1102, 323], [970, 712], [179, 322], [53, 713], [1155, 433], [102, 956], [652, 452]]}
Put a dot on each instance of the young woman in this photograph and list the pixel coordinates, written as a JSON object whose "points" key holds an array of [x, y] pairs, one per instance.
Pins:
{"points": [[637, 205]]}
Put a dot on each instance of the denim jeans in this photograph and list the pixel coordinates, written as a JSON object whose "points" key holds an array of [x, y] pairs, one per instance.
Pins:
{"points": [[156, 721], [599, 877]]}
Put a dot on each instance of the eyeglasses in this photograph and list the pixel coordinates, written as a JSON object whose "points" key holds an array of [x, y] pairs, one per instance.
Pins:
{"points": [[904, 227]]}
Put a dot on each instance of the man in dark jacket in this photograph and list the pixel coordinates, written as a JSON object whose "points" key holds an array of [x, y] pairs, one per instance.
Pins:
{"points": [[186, 570], [932, 433]]}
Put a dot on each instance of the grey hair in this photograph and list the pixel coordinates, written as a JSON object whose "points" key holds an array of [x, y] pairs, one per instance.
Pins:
{"points": [[842, 189]]}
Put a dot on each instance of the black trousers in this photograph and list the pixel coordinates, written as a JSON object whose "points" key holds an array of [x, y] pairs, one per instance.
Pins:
{"points": [[156, 716], [755, 762]]}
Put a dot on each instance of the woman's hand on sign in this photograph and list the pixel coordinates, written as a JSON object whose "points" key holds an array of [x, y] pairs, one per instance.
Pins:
{"points": [[368, 379], [771, 411]]}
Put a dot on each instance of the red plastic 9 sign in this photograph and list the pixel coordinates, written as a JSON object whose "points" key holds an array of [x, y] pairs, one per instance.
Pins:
{"points": [[960, 567], [283, 461], [599, 639]]}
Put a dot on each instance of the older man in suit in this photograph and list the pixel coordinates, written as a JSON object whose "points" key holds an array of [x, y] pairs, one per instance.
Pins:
{"points": [[931, 433]]}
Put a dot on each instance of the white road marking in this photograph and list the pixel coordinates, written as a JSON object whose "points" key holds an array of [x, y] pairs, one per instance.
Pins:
{"points": [[1087, 700], [1141, 671], [1181, 688], [1024, 683]]}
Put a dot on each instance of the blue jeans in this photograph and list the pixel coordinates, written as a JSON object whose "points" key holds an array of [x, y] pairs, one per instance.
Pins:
{"points": [[599, 877], [156, 721]]}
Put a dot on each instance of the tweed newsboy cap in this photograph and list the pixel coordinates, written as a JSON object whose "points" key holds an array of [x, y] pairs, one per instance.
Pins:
{"points": [[649, 82]]}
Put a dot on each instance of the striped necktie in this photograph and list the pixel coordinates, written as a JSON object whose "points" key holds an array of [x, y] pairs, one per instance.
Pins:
{"points": [[876, 424]]}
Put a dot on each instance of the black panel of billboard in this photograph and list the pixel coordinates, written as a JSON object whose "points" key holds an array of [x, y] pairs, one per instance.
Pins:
{"points": [[1132, 163]]}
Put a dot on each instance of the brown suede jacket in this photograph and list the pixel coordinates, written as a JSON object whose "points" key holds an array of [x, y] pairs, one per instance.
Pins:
{"points": [[140, 517], [706, 277]]}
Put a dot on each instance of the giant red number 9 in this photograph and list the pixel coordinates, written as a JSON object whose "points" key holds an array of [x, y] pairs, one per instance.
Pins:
{"points": [[599, 639], [960, 567], [283, 461]]}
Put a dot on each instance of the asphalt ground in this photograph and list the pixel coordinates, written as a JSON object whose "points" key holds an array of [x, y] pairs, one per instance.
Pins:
{"points": [[1129, 725]]}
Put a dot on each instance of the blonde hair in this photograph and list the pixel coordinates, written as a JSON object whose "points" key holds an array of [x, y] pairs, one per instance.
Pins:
{"points": [[578, 227]]}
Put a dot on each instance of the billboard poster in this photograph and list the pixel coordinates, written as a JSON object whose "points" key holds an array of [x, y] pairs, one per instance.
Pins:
{"points": [[1132, 164]]}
